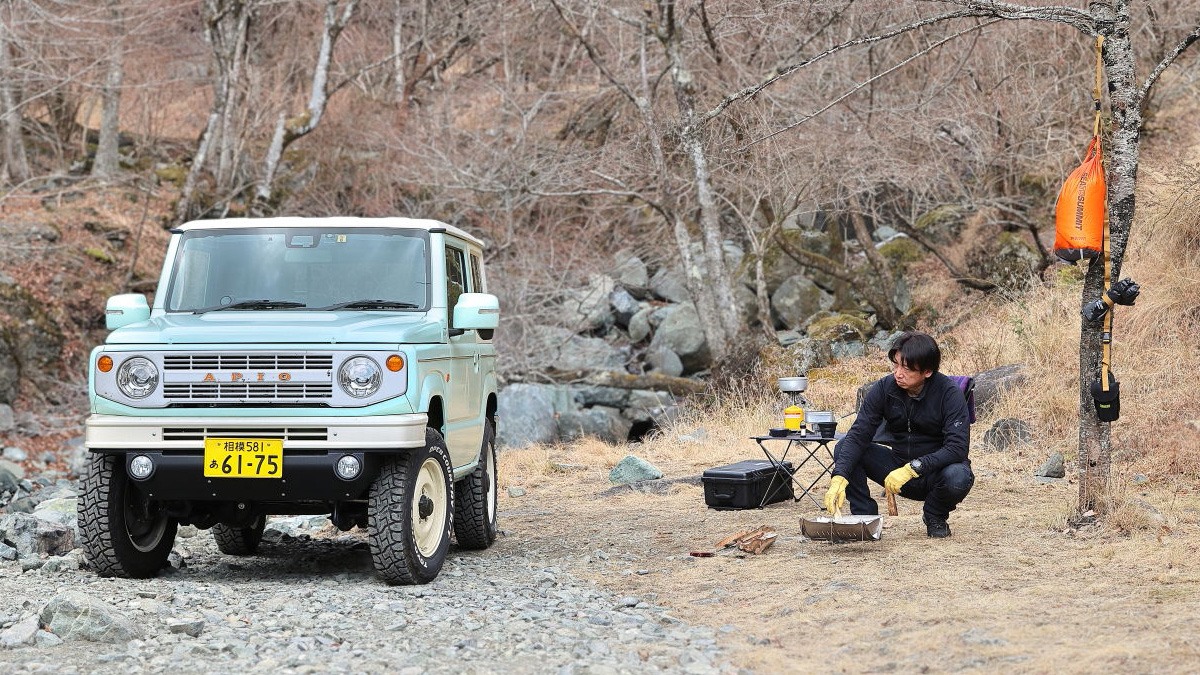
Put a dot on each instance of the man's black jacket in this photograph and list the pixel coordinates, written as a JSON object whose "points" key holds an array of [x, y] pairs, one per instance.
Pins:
{"points": [[932, 426]]}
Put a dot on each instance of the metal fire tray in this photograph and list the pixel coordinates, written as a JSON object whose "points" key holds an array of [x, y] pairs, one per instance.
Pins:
{"points": [[842, 528]]}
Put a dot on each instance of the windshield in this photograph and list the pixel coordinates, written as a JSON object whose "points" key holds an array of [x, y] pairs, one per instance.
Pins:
{"points": [[300, 269]]}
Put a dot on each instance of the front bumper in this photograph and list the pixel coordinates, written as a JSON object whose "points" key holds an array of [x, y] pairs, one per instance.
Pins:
{"points": [[311, 449], [305, 477], [118, 433]]}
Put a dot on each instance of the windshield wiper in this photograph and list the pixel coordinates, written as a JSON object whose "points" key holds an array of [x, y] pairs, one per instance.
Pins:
{"points": [[369, 304], [253, 304]]}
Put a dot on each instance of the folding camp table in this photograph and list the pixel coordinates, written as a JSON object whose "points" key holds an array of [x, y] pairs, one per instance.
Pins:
{"points": [[814, 448]]}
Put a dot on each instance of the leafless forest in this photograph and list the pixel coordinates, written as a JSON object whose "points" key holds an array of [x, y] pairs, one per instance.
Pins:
{"points": [[563, 131]]}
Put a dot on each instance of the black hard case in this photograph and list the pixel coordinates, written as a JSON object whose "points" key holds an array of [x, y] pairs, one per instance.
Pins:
{"points": [[743, 485]]}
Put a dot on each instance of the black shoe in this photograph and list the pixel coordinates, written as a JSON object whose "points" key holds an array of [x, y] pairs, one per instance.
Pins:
{"points": [[937, 528]]}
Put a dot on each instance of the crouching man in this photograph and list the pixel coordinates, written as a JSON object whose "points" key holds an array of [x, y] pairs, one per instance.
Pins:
{"points": [[925, 420]]}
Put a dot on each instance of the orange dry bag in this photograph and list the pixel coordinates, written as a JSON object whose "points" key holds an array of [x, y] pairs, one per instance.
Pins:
{"points": [[1079, 216]]}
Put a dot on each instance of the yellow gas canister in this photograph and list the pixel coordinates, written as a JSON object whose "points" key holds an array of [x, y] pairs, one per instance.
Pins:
{"points": [[793, 417]]}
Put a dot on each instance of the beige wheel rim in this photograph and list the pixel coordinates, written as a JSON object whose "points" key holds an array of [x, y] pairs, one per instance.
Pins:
{"points": [[429, 498], [491, 484]]}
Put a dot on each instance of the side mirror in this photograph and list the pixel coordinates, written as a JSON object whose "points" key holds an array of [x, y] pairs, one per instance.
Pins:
{"points": [[123, 310], [477, 311]]}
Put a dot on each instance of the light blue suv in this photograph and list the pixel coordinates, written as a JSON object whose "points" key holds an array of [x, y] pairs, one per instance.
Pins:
{"points": [[339, 366]]}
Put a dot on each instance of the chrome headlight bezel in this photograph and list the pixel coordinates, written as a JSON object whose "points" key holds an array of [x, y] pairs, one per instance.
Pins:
{"points": [[366, 379], [141, 384]]}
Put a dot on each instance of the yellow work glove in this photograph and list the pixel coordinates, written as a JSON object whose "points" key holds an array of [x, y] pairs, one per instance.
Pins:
{"points": [[896, 479], [836, 497]]}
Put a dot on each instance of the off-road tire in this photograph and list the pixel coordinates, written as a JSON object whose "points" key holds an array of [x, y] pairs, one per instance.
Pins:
{"points": [[107, 510], [408, 547], [475, 498], [233, 540]]}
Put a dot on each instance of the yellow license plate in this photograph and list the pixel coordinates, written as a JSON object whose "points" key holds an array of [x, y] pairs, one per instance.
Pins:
{"points": [[243, 458]]}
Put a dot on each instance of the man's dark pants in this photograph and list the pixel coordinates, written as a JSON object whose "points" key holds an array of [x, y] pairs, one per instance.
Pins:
{"points": [[941, 490]]}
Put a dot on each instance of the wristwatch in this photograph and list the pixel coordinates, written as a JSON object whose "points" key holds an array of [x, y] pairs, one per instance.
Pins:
{"points": [[916, 466]]}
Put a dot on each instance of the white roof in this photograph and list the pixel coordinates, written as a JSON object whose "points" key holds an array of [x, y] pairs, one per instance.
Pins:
{"points": [[338, 221]]}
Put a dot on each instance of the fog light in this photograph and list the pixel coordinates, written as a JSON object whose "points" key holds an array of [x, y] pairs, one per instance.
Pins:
{"points": [[348, 467], [141, 467]]}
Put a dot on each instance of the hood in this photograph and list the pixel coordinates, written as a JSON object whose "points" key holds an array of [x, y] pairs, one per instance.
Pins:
{"points": [[266, 327]]}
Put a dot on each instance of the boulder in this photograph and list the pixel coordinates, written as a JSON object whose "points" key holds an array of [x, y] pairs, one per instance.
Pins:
{"points": [[1009, 262], [21, 634], [13, 468], [1007, 433], [587, 308], [670, 284], [633, 469], [844, 327], [7, 552], [624, 305], [663, 360], [1053, 467], [630, 272], [647, 406], [75, 615], [797, 300], [13, 453], [682, 333], [601, 422], [8, 482], [526, 415], [560, 348], [63, 511], [747, 304], [847, 350], [788, 338], [278, 527], [884, 233], [883, 340], [807, 354], [639, 324], [35, 537], [30, 342], [7, 421], [587, 396], [990, 384]]}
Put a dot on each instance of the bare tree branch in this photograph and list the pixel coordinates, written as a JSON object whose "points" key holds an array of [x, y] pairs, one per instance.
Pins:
{"points": [[593, 54], [1186, 42], [1005, 10], [780, 73], [856, 88]]}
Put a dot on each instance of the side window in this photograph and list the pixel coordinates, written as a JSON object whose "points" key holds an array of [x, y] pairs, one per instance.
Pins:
{"points": [[476, 274], [456, 280]]}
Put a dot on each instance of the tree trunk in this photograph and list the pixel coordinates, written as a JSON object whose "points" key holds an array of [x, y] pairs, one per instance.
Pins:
{"points": [[714, 288], [1095, 439], [288, 131], [107, 161], [16, 166]]}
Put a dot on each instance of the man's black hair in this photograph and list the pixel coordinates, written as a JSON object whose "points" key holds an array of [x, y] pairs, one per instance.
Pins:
{"points": [[916, 350]]}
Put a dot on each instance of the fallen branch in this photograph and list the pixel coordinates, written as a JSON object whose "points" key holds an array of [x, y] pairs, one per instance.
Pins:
{"points": [[676, 386]]}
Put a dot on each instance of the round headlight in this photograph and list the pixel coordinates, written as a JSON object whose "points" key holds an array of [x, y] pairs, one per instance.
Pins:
{"points": [[137, 377], [359, 377]]}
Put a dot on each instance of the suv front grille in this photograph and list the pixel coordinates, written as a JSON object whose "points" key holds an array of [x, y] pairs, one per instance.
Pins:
{"points": [[208, 362], [284, 433], [240, 391]]}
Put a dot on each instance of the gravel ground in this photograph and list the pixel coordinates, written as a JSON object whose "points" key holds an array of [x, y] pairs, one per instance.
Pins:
{"points": [[312, 605]]}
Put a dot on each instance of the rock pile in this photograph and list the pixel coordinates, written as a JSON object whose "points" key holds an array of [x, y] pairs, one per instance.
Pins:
{"points": [[637, 319]]}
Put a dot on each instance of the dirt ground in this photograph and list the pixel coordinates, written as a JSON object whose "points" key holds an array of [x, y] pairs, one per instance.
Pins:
{"points": [[1013, 590]]}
